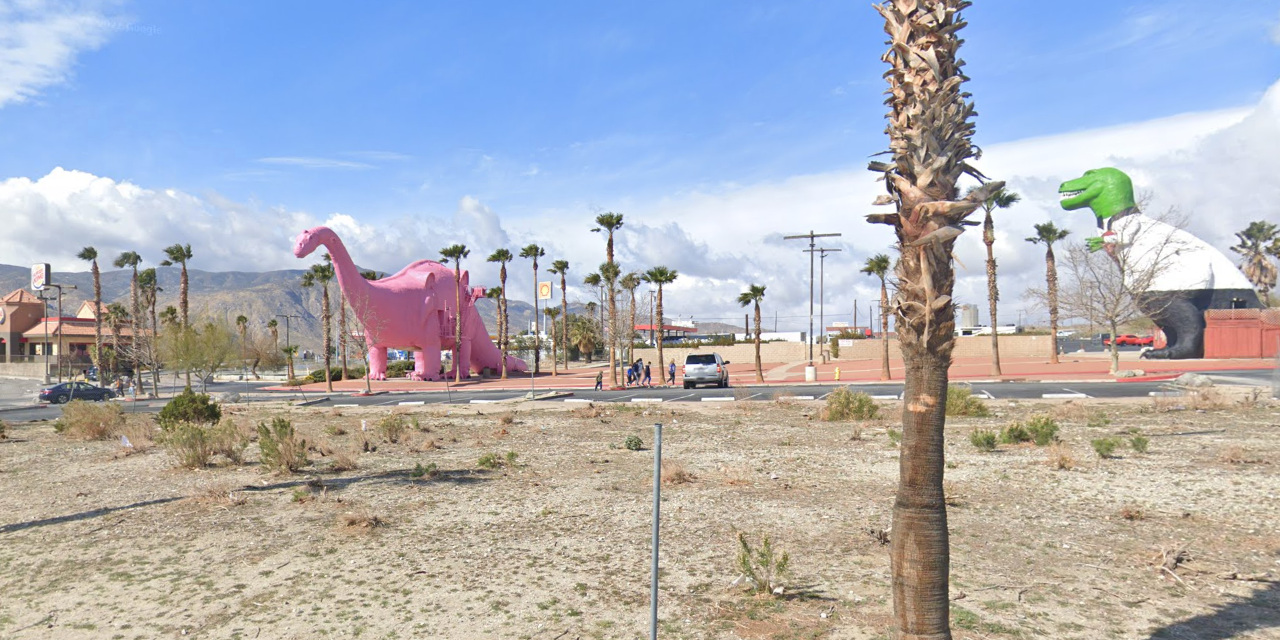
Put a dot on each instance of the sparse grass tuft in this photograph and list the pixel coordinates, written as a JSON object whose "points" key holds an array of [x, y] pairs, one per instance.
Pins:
{"points": [[1105, 447], [761, 568], [1132, 512], [4, 430], [1059, 457], [507, 419], [90, 420], [190, 443], [489, 461], [983, 439], [1014, 433], [1238, 455], [1043, 430], [1139, 443], [962, 402], [844, 404], [895, 436], [361, 519], [675, 473], [393, 427], [345, 459], [282, 450], [430, 470]]}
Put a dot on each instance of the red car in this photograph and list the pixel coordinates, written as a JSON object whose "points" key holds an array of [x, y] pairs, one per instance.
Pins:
{"points": [[1131, 340]]}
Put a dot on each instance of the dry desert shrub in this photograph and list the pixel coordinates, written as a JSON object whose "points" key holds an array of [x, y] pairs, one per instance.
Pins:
{"points": [[360, 519], [190, 443], [1208, 400], [1238, 455], [393, 427], [676, 473], [1132, 512], [507, 419], [230, 439], [1071, 411], [136, 437], [282, 450], [426, 445], [589, 411], [1058, 456], [90, 420], [220, 495], [4, 430], [845, 404], [345, 459], [737, 475]]}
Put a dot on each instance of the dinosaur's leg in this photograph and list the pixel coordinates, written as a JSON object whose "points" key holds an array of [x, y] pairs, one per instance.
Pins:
{"points": [[377, 362], [1181, 319], [429, 362], [464, 357]]}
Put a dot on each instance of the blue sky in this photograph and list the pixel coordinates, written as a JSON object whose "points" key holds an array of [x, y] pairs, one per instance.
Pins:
{"points": [[547, 113]]}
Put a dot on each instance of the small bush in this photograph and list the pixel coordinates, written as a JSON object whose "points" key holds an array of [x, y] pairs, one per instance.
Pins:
{"points": [[983, 439], [1105, 447], [507, 419], [1015, 433], [189, 407], [334, 430], [361, 519], [230, 439], [675, 473], [1132, 512], [489, 461], [761, 568], [190, 443], [1060, 457], [428, 471], [633, 443], [282, 450], [345, 459], [511, 458], [90, 420], [1139, 443], [1043, 430], [895, 436], [392, 428], [962, 402], [4, 430], [1098, 420], [399, 368], [844, 404]]}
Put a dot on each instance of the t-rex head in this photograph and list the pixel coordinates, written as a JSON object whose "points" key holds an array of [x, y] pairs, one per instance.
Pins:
{"points": [[1106, 191]]}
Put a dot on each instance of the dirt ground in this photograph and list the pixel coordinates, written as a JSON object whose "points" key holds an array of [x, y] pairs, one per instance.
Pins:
{"points": [[1183, 541]]}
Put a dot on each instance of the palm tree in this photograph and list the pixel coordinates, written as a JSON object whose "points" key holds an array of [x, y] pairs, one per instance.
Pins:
{"points": [[116, 316], [753, 295], [608, 223], [242, 325], [593, 280], [930, 142], [502, 257], [456, 253], [660, 276], [1049, 234], [561, 267], [533, 252], [90, 255], [1002, 199], [495, 294], [609, 273], [321, 275], [131, 259], [149, 289], [584, 334], [878, 266], [169, 317], [180, 254], [630, 283], [273, 326], [552, 313], [1255, 242]]}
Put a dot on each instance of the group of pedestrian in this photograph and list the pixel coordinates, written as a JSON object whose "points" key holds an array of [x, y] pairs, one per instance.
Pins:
{"points": [[640, 374]]}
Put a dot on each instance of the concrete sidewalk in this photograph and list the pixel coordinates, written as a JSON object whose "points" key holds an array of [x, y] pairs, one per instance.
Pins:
{"points": [[1072, 367]]}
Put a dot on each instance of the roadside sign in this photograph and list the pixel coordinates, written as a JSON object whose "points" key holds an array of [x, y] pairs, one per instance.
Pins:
{"points": [[544, 290], [39, 276]]}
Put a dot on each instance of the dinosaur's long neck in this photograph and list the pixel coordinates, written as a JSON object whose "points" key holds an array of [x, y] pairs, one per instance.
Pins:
{"points": [[353, 285]]}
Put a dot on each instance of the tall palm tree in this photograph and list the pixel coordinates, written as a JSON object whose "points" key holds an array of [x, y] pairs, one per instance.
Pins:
{"points": [[273, 326], [131, 259], [242, 326], [1048, 234], [609, 274], [533, 252], [502, 257], [321, 275], [90, 255], [878, 266], [608, 223], [660, 276], [593, 280], [753, 295], [149, 289], [180, 254], [456, 252], [1255, 241], [495, 294], [552, 313], [561, 268], [116, 316], [584, 334], [1002, 199], [930, 134], [630, 283]]}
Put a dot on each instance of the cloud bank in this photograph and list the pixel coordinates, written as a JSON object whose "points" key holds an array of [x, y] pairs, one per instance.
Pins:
{"points": [[1217, 167], [39, 43]]}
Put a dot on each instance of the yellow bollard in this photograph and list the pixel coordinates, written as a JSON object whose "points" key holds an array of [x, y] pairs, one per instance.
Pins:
{"points": [[837, 373]]}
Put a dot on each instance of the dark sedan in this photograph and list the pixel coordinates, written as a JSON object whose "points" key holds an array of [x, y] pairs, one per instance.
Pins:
{"points": [[68, 391]]}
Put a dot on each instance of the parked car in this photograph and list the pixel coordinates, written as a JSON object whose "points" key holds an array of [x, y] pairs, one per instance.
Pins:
{"points": [[705, 368], [68, 391], [1128, 339], [1065, 333]]}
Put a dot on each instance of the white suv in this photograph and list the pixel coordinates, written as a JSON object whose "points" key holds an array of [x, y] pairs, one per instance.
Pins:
{"points": [[705, 368]]}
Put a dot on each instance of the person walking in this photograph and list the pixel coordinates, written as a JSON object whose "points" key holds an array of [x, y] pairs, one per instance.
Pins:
{"points": [[648, 380], [671, 372], [599, 380]]}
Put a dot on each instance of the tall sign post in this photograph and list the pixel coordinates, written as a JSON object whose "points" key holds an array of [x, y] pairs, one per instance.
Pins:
{"points": [[822, 291], [811, 372]]}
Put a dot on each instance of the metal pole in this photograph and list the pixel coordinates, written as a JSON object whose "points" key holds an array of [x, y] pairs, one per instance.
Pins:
{"points": [[811, 245], [822, 298], [657, 505]]}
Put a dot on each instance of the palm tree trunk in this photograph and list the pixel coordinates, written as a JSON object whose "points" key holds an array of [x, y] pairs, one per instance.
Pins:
{"points": [[151, 348], [506, 328], [328, 339], [993, 294], [658, 310], [342, 333], [97, 322], [182, 292], [1052, 278], [457, 321], [564, 321], [613, 335], [759, 368], [885, 373], [631, 329]]}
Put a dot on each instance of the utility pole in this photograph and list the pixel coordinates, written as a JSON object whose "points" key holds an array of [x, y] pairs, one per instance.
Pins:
{"points": [[59, 332], [810, 373], [287, 346], [822, 289]]}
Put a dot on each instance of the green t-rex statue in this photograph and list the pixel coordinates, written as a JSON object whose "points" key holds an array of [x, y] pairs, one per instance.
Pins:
{"points": [[1181, 275]]}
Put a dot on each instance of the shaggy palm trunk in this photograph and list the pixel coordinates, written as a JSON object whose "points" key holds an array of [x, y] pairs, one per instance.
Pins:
{"points": [[759, 368], [929, 139], [631, 329], [564, 321], [613, 335], [658, 311], [503, 321], [97, 322], [457, 322], [151, 348], [993, 294], [182, 305], [328, 339], [135, 312], [885, 374], [1051, 278]]}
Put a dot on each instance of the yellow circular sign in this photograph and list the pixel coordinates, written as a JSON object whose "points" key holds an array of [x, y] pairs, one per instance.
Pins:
{"points": [[544, 290]]}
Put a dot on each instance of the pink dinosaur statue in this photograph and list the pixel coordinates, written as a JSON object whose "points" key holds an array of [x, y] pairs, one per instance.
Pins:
{"points": [[413, 309]]}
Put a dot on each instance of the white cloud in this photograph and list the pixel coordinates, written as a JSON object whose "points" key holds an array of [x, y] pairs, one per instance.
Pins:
{"points": [[1275, 33], [39, 43], [308, 162]]}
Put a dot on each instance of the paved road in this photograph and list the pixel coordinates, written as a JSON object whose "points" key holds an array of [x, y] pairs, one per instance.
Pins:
{"points": [[885, 391]]}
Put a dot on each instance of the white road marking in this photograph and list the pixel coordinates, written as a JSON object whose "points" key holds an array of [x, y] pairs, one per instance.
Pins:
{"points": [[576, 400], [687, 395], [892, 397], [795, 398], [646, 399], [719, 399], [1165, 394], [476, 401], [411, 403], [987, 394], [338, 406], [1062, 396], [1079, 392], [823, 396]]}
